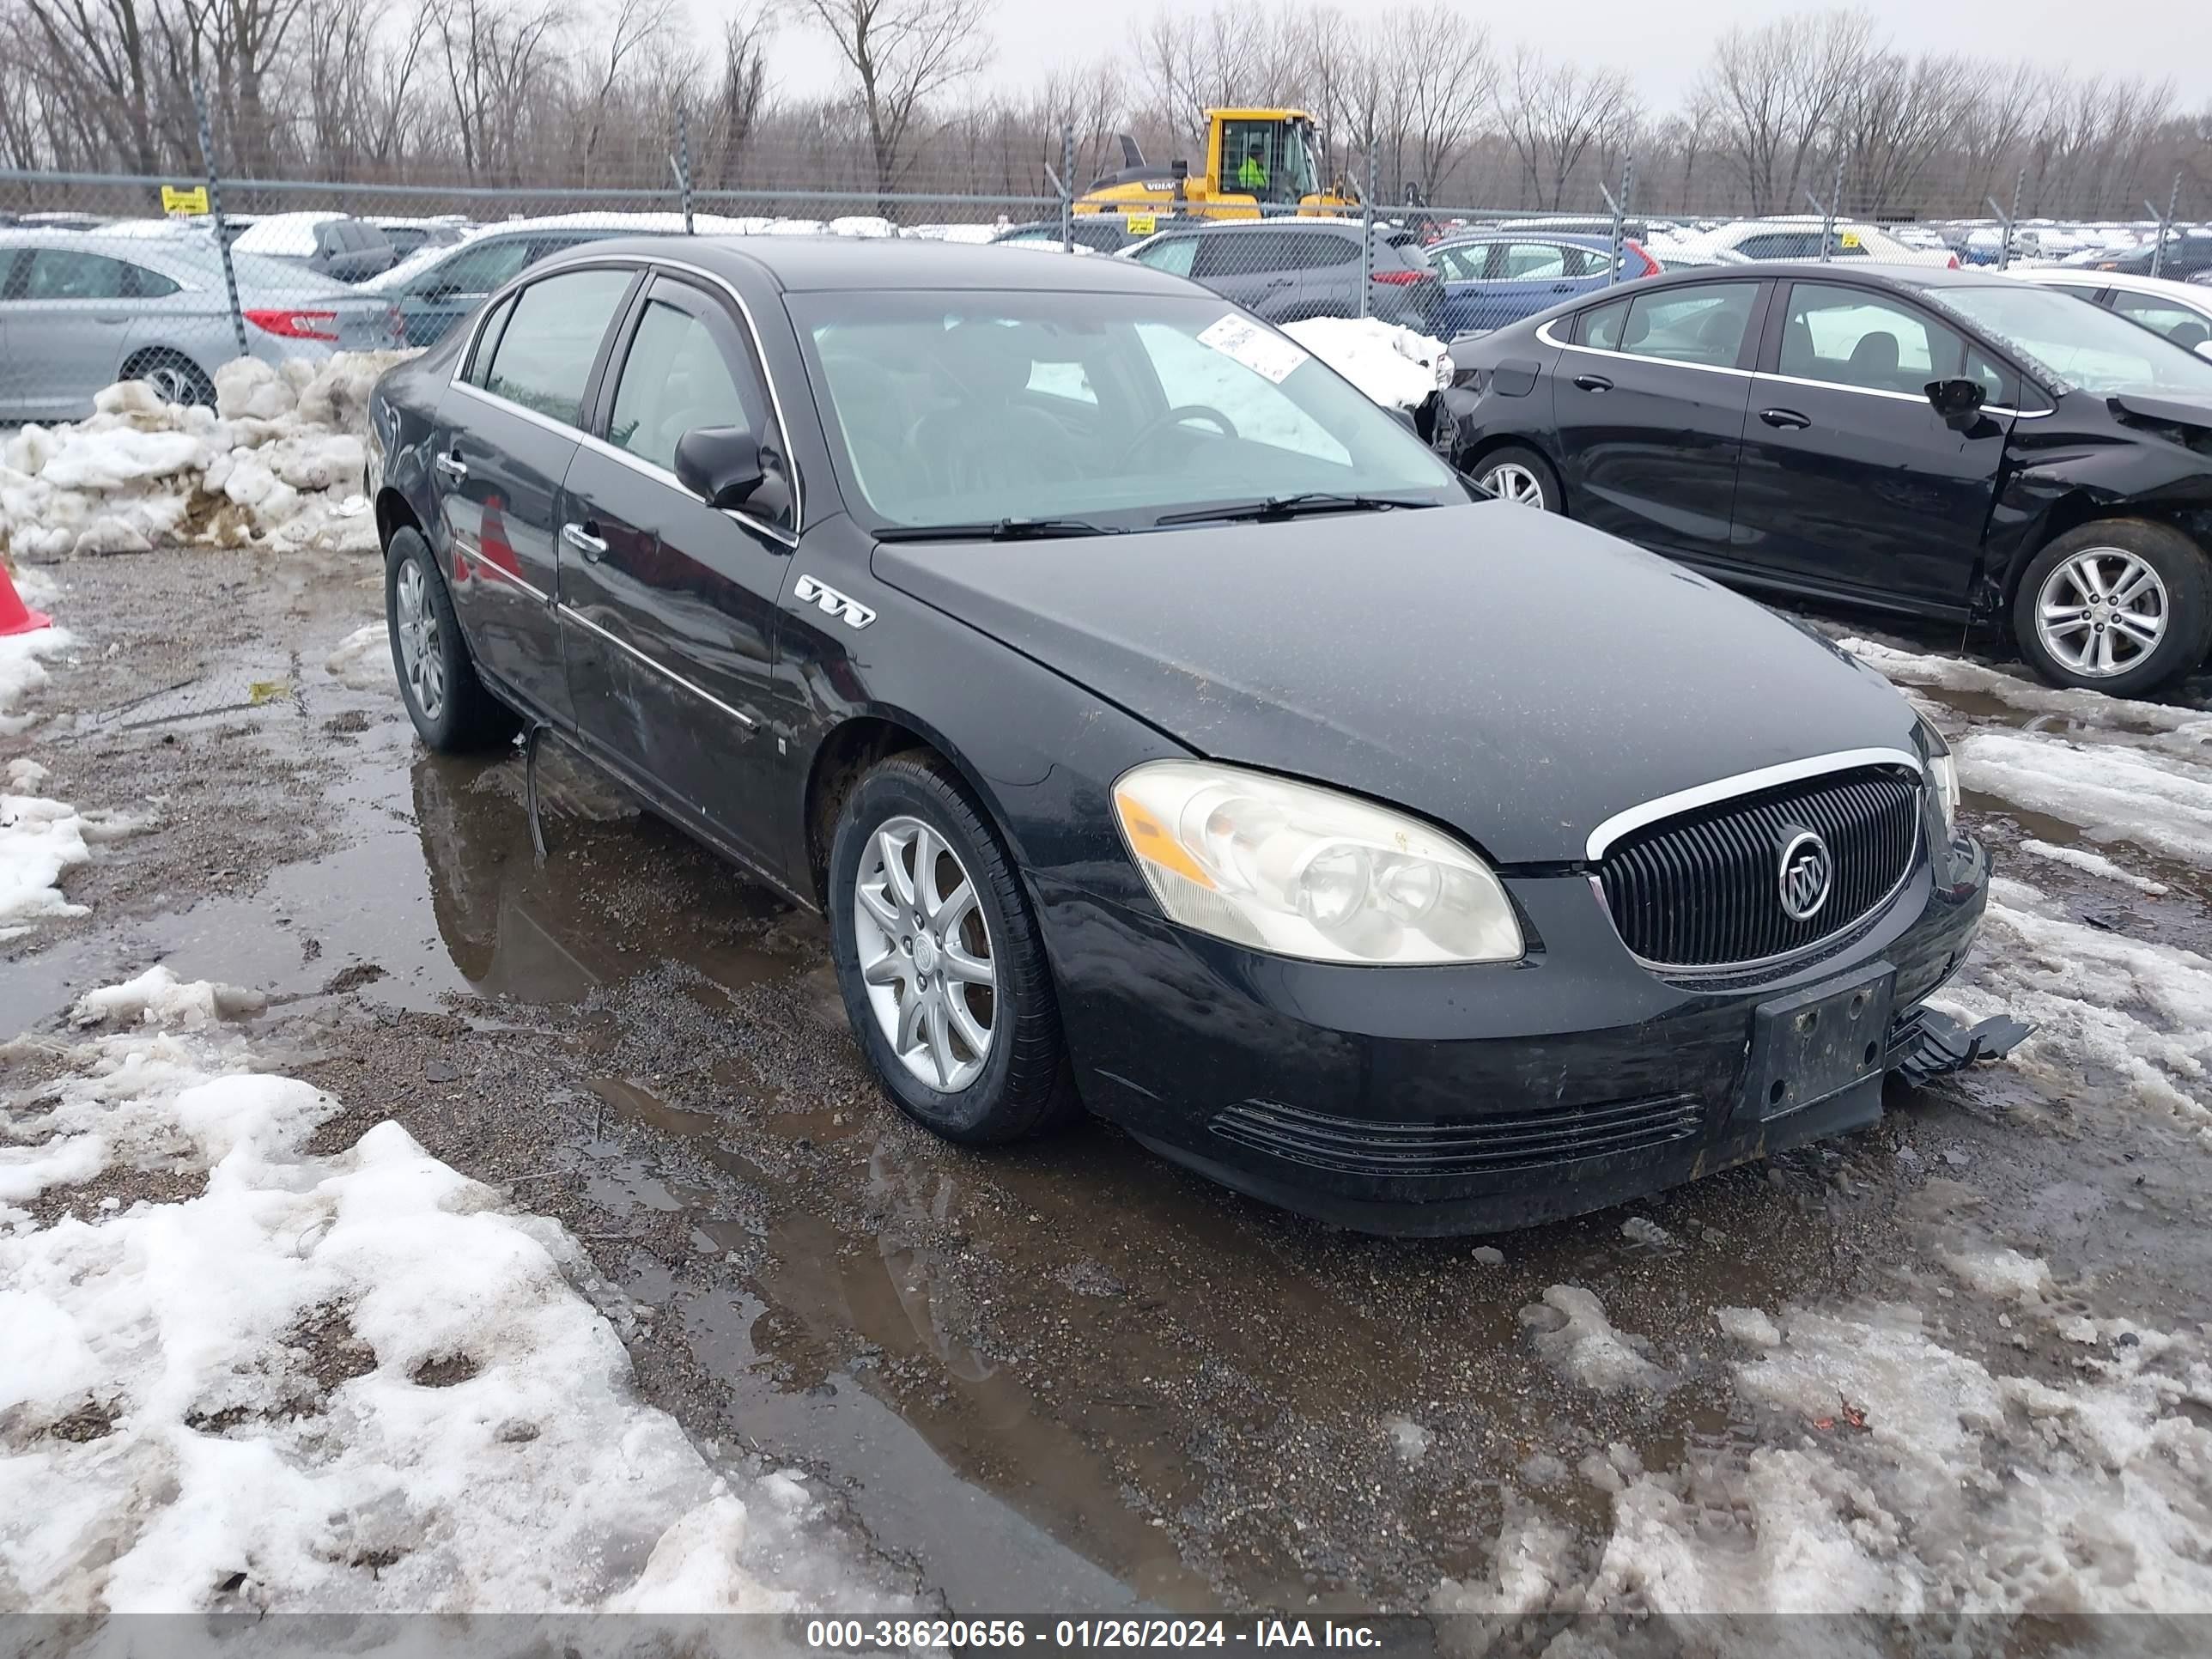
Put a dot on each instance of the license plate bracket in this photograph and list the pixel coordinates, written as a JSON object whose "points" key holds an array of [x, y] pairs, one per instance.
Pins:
{"points": [[1815, 1043]]}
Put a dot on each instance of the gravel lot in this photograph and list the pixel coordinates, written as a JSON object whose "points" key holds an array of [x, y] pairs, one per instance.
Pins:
{"points": [[1956, 1362]]}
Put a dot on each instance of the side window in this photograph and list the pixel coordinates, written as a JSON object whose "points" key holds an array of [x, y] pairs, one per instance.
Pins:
{"points": [[476, 270], [1603, 325], [1459, 265], [2178, 323], [1580, 262], [1703, 323], [1314, 249], [680, 373], [1851, 336], [543, 358], [1531, 262], [150, 284], [1781, 245], [52, 273], [479, 368], [1244, 253], [1173, 256]]}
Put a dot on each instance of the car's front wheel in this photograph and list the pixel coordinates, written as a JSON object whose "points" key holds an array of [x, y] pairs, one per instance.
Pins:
{"points": [[445, 698], [1522, 477], [939, 959], [2119, 606]]}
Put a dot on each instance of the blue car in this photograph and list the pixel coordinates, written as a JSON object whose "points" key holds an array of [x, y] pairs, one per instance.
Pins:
{"points": [[1498, 279]]}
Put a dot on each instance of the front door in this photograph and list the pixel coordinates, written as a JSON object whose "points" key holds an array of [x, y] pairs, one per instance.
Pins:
{"points": [[506, 432], [668, 605], [1648, 400], [68, 322], [1851, 481]]}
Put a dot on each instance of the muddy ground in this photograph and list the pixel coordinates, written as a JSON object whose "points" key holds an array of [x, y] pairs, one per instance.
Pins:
{"points": [[1065, 1376]]}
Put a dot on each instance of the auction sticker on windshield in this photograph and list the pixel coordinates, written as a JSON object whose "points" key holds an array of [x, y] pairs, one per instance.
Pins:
{"points": [[1266, 355]]}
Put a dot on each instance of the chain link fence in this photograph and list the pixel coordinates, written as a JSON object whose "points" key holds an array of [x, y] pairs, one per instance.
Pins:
{"points": [[106, 276]]}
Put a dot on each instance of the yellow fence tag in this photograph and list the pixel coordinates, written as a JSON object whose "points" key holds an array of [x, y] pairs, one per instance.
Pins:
{"points": [[193, 200]]}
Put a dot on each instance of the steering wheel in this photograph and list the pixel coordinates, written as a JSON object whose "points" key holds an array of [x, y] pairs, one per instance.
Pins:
{"points": [[1175, 417]]}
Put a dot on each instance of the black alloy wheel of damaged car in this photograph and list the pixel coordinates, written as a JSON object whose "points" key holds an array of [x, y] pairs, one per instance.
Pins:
{"points": [[1956, 446], [1130, 692]]}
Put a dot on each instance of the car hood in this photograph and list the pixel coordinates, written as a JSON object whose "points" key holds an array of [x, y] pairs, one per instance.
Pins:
{"points": [[1514, 675], [2174, 411]]}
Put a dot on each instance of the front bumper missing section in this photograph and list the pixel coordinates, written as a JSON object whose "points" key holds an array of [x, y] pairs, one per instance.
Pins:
{"points": [[1937, 1045]]}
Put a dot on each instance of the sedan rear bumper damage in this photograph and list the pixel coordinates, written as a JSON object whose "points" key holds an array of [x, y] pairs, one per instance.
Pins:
{"points": [[1467, 1100]]}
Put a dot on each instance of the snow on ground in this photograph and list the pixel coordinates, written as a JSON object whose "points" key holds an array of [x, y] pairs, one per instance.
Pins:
{"points": [[21, 671], [1906, 668], [2112, 790], [1395, 366], [362, 660], [250, 1378], [279, 461], [1917, 1478], [2094, 864]]}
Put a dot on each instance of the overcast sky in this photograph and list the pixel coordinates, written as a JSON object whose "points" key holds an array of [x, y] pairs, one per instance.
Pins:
{"points": [[1662, 43]]}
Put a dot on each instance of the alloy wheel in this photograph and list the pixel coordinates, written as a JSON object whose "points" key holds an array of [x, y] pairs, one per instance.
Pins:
{"points": [[172, 383], [925, 952], [420, 653], [1510, 481], [2101, 612]]}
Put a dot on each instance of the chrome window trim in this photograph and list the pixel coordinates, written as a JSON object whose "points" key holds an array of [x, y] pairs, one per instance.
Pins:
{"points": [[1743, 783], [789, 535], [620, 644]]}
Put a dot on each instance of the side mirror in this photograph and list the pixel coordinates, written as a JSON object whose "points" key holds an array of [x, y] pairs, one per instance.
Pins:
{"points": [[1958, 402], [719, 465]]}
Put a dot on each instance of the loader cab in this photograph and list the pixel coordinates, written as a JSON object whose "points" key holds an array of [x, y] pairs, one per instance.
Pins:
{"points": [[1268, 155]]}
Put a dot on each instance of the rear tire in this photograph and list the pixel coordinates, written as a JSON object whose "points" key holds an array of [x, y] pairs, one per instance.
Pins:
{"points": [[909, 853], [449, 704], [1522, 477], [175, 377], [2117, 605]]}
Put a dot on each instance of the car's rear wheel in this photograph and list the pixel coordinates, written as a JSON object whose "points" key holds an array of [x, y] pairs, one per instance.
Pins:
{"points": [[1522, 477], [939, 959], [445, 698], [175, 377], [2118, 606]]}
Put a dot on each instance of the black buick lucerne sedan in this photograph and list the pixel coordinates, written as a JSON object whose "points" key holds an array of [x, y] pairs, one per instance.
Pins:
{"points": [[1167, 733], [1951, 443]]}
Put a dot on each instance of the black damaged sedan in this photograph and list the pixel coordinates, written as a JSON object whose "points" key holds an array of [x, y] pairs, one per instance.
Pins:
{"points": [[1166, 731]]}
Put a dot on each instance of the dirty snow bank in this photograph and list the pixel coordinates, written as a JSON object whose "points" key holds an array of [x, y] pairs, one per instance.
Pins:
{"points": [[361, 661], [22, 673], [279, 461], [1920, 1479], [1395, 366], [350, 1381]]}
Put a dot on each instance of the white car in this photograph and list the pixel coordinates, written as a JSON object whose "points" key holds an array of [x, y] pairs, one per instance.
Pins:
{"points": [[1798, 237], [2180, 311]]}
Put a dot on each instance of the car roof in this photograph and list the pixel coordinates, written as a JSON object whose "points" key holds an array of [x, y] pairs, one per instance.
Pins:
{"points": [[1529, 233], [2133, 282], [805, 263], [1880, 272]]}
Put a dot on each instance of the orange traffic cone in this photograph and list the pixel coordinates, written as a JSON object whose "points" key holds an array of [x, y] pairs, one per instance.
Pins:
{"points": [[15, 617]]}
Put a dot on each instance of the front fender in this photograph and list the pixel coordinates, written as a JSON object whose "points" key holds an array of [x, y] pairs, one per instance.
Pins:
{"points": [[2057, 479]]}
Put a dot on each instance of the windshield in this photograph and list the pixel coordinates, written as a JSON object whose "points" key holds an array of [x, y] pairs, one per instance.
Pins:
{"points": [[2083, 345], [1115, 409]]}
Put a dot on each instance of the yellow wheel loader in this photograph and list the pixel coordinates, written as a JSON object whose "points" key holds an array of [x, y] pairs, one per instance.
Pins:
{"points": [[1259, 163]]}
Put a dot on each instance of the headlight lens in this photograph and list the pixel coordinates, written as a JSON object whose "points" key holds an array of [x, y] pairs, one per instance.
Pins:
{"points": [[1305, 871], [1942, 777]]}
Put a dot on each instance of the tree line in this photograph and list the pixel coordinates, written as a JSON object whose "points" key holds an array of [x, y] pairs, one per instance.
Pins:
{"points": [[1426, 103]]}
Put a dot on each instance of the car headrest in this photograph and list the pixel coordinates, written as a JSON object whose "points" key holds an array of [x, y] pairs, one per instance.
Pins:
{"points": [[1875, 354], [988, 359]]}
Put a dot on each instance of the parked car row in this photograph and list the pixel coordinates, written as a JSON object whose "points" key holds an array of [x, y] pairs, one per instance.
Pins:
{"points": [[1330, 875]]}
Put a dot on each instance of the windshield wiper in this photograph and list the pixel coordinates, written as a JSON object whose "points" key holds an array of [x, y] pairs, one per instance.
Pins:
{"points": [[1291, 507], [997, 530]]}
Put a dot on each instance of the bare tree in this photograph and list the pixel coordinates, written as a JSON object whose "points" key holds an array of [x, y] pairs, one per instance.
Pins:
{"points": [[1449, 79], [1777, 89], [1555, 113], [636, 27], [742, 96], [902, 53]]}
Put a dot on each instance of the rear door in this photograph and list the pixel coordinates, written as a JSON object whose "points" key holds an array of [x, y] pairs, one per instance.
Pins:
{"points": [[1650, 396], [70, 314], [1851, 481], [1254, 269], [508, 429], [668, 606]]}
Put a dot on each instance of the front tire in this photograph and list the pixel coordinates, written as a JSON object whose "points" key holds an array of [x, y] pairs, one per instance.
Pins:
{"points": [[2117, 606], [939, 959], [174, 378], [1522, 477], [445, 698]]}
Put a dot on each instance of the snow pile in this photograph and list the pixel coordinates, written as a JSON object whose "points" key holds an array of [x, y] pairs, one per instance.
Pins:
{"points": [[1912, 1486], [2093, 863], [279, 461], [1957, 674], [1579, 1341], [21, 671], [2114, 791], [356, 1382], [1395, 366], [362, 660]]}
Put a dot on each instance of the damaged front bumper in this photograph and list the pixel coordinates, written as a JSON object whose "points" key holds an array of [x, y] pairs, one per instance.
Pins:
{"points": [[1929, 1044]]}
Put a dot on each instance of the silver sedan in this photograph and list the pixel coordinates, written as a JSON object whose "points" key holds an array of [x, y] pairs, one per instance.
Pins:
{"points": [[80, 310]]}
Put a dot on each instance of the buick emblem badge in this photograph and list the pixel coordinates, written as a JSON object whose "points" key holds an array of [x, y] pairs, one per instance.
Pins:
{"points": [[1807, 874]]}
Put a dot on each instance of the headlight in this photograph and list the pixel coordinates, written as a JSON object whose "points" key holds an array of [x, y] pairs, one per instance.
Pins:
{"points": [[1445, 369], [1304, 872], [1942, 777]]}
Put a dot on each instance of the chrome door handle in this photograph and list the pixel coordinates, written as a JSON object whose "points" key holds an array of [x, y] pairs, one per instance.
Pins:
{"points": [[1784, 418], [452, 466], [592, 547]]}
